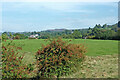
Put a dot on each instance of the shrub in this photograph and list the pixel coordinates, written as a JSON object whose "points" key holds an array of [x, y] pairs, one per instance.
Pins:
{"points": [[17, 37], [12, 66], [31, 38], [56, 58], [91, 37]]}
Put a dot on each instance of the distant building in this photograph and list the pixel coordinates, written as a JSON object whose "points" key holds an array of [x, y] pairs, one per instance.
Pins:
{"points": [[86, 37], [33, 36], [72, 32]]}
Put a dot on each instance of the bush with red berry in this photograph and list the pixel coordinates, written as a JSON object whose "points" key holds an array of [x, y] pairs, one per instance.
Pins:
{"points": [[12, 66], [56, 58]]}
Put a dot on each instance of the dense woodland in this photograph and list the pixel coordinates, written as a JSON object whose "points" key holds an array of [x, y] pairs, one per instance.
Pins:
{"points": [[105, 32]]}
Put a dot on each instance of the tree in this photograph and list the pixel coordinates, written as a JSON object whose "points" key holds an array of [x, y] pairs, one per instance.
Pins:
{"points": [[99, 26], [0, 38], [76, 34], [19, 36], [89, 32], [10, 35], [96, 26], [104, 26], [67, 31], [4, 36]]}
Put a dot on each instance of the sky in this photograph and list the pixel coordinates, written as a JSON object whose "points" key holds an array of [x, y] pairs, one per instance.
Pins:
{"points": [[39, 16]]}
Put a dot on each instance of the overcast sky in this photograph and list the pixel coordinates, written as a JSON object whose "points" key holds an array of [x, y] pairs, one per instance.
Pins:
{"points": [[38, 16]]}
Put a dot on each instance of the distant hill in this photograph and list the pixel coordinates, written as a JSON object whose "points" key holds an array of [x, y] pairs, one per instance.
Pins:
{"points": [[107, 32], [63, 32], [55, 30]]}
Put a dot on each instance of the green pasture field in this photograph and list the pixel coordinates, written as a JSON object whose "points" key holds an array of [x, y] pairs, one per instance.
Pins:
{"points": [[101, 57], [94, 47]]}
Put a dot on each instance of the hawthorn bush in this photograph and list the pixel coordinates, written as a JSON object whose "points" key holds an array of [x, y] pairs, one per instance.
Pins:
{"points": [[12, 66], [56, 58]]}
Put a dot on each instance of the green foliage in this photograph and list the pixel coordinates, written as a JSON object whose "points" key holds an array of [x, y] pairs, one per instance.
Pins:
{"points": [[91, 37], [104, 26], [12, 66], [56, 58], [76, 34], [4, 36], [97, 31], [0, 38], [19, 36], [97, 26], [107, 32], [104, 34]]}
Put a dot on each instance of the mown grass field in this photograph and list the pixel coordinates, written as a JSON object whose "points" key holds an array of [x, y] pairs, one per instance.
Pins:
{"points": [[94, 47], [101, 57]]}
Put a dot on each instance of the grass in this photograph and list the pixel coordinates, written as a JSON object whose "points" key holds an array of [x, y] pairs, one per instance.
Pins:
{"points": [[94, 47], [99, 47], [97, 67], [101, 57]]}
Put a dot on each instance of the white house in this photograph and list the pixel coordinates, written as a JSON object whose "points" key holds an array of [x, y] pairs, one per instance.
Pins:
{"points": [[34, 36]]}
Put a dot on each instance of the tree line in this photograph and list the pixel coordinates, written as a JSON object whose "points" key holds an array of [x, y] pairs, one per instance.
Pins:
{"points": [[106, 32]]}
